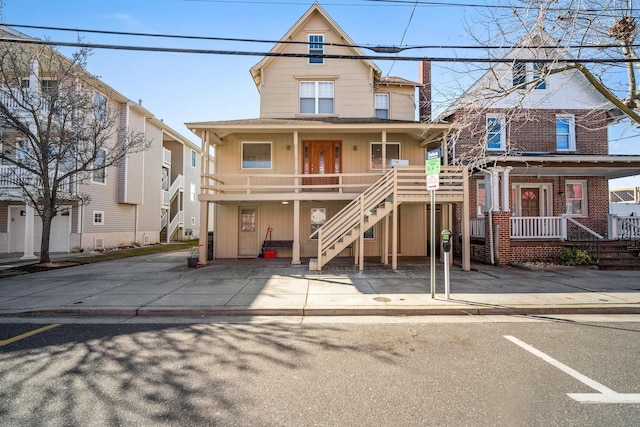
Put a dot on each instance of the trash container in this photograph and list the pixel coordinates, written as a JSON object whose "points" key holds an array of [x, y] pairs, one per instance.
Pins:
{"points": [[210, 246]]}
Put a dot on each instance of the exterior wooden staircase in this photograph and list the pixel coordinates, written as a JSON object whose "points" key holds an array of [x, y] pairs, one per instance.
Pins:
{"points": [[404, 184]]}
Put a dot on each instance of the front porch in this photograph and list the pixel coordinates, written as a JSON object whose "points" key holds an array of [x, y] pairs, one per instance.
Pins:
{"points": [[542, 238]]}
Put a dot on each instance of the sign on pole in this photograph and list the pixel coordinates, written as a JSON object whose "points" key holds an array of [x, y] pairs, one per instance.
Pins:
{"points": [[432, 170]]}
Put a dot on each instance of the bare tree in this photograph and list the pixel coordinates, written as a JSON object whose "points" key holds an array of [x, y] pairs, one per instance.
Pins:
{"points": [[59, 128]]}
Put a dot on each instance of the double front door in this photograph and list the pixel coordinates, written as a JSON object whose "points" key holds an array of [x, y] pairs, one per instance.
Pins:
{"points": [[321, 158]]}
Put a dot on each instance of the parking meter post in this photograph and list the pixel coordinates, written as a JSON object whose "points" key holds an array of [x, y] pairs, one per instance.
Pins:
{"points": [[445, 238]]}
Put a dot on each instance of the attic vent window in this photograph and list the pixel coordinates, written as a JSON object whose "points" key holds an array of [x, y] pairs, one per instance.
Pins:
{"points": [[316, 47]]}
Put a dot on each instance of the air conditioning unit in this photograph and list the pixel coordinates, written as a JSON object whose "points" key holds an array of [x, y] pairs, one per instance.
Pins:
{"points": [[98, 243]]}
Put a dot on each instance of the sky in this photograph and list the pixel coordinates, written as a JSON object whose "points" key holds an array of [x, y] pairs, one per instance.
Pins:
{"points": [[188, 87]]}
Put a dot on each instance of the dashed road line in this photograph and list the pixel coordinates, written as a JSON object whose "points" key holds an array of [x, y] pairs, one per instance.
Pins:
{"points": [[605, 395], [28, 334]]}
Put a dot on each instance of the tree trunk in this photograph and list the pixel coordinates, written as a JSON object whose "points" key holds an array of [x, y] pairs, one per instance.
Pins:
{"points": [[47, 218]]}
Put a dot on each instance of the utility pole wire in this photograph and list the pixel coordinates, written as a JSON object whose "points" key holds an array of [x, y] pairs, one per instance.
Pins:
{"points": [[326, 56], [375, 48]]}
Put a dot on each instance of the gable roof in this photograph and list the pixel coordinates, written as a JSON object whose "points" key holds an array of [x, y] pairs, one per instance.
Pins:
{"points": [[298, 26], [533, 45]]}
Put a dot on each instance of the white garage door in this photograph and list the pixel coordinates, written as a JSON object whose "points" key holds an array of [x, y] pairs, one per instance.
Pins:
{"points": [[60, 232]]}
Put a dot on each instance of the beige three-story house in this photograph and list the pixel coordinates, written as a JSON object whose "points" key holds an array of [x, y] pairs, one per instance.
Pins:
{"points": [[334, 165]]}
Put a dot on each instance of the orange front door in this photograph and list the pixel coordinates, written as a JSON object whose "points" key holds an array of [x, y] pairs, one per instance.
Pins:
{"points": [[321, 158]]}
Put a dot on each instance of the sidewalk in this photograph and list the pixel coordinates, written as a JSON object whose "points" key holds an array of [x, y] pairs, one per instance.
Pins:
{"points": [[163, 285]]}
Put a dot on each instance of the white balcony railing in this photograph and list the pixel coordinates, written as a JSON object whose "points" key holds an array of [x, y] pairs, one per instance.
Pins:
{"points": [[12, 177]]}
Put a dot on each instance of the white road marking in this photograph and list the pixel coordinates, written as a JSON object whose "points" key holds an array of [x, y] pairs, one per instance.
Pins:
{"points": [[606, 395]]}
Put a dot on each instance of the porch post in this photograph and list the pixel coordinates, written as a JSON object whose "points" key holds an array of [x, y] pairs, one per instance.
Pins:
{"points": [[384, 151], [296, 165], [506, 207], [495, 190], [385, 241], [204, 205], [466, 235], [28, 233], [295, 254]]}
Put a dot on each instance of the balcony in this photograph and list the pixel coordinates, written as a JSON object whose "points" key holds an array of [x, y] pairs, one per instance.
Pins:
{"points": [[11, 176]]}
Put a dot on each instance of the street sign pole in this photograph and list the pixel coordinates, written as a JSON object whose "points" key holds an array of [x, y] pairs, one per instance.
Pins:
{"points": [[432, 170], [432, 252]]}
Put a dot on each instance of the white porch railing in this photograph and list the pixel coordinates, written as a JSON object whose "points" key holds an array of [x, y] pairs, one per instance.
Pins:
{"points": [[476, 227], [538, 227]]}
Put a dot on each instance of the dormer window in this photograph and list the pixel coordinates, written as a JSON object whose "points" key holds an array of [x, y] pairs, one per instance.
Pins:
{"points": [[316, 97], [519, 73], [316, 47], [534, 73]]}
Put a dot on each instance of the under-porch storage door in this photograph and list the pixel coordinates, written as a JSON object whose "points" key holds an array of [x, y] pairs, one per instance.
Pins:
{"points": [[248, 243]]}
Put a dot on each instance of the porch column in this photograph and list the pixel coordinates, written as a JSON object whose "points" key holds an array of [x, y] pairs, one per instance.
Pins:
{"points": [[394, 238], [506, 206], [204, 205], [28, 233], [295, 251], [384, 151], [502, 230], [493, 195], [296, 163]]}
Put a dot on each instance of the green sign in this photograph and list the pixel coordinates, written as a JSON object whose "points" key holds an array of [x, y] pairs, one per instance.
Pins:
{"points": [[432, 166]]}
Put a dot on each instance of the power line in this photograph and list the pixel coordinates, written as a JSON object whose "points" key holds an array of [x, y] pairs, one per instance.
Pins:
{"points": [[326, 56], [375, 48]]}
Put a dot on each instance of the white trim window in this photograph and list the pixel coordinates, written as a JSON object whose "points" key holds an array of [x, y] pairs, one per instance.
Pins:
{"points": [[575, 193], [316, 47], [565, 132], [256, 155], [192, 192], [481, 198], [539, 69], [519, 73], [194, 158], [496, 132], [99, 175], [392, 151], [316, 97], [100, 107], [98, 217], [382, 105]]}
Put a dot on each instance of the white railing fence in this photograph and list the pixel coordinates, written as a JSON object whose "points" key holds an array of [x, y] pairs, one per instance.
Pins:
{"points": [[476, 227], [624, 227], [538, 227]]}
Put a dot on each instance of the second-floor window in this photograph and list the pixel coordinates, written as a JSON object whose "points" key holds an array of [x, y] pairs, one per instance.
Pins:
{"points": [[496, 135], [99, 175], [382, 105], [565, 133], [193, 158], [256, 155], [316, 47], [316, 97], [100, 107], [48, 86]]}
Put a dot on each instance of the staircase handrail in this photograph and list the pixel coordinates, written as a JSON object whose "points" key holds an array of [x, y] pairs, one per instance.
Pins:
{"points": [[176, 185], [585, 228], [176, 222], [349, 217]]}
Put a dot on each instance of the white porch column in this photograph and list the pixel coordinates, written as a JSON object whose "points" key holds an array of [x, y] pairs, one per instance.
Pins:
{"points": [[28, 233], [506, 206], [295, 254], [495, 189]]}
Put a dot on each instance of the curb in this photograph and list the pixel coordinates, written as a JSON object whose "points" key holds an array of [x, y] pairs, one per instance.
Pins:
{"points": [[320, 312]]}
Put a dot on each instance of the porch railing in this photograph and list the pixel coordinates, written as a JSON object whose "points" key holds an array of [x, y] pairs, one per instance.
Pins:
{"points": [[537, 227], [260, 183]]}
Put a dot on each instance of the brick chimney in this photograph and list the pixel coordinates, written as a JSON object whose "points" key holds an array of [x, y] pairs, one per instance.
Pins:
{"points": [[424, 93]]}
